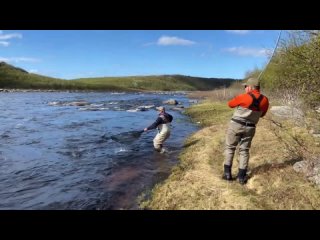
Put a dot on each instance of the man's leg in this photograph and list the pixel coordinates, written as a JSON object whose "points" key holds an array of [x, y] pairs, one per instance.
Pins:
{"points": [[157, 144], [244, 148], [232, 140], [159, 140]]}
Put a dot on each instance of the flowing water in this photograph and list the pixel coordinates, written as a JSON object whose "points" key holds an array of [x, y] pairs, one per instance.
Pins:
{"points": [[61, 150]]}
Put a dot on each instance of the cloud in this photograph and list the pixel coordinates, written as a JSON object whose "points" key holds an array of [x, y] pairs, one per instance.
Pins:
{"points": [[9, 36], [4, 43], [167, 41], [18, 59], [241, 32], [243, 51], [33, 71]]}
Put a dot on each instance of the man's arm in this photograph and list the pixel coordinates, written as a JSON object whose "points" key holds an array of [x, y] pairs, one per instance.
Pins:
{"points": [[155, 124], [236, 101]]}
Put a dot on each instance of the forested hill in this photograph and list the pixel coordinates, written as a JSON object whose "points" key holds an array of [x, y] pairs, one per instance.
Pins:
{"points": [[16, 78]]}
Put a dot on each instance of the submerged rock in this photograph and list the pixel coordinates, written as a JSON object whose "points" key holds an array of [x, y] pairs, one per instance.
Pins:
{"points": [[178, 108], [79, 103], [171, 102]]}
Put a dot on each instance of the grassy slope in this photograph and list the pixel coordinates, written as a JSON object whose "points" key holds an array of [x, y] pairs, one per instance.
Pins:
{"points": [[12, 77], [196, 182], [162, 83]]}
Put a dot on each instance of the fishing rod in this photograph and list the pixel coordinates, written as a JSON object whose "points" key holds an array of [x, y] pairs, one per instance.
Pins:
{"points": [[274, 50]]}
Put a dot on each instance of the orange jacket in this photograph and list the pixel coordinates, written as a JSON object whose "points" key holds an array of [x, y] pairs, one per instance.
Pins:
{"points": [[245, 100]]}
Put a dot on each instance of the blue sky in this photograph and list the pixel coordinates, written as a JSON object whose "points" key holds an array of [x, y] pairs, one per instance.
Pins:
{"points": [[70, 54]]}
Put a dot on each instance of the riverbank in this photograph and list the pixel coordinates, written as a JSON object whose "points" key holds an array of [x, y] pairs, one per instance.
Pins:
{"points": [[196, 182]]}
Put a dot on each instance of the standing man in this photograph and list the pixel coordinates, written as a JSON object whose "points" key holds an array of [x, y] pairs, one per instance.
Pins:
{"points": [[162, 123], [250, 106]]}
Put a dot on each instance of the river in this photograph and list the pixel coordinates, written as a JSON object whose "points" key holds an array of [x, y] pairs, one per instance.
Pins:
{"points": [[56, 151]]}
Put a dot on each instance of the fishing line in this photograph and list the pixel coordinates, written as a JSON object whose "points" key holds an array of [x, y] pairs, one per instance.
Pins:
{"points": [[274, 50]]}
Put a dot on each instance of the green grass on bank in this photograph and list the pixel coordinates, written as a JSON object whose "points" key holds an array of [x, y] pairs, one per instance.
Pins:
{"points": [[195, 183]]}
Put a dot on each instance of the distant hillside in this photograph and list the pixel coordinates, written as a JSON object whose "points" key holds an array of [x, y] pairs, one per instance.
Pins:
{"points": [[13, 77], [161, 82]]}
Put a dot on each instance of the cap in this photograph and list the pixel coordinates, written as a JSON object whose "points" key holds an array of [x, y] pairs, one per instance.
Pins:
{"points": [[252, 82], [161, 108]]}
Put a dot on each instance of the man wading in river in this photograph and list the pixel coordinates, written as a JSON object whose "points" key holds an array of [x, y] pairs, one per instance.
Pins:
{"points": [[163, 125]]}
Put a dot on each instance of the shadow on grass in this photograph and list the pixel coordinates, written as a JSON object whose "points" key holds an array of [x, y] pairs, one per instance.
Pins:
{"points": [[270, 166], [190, 143]]}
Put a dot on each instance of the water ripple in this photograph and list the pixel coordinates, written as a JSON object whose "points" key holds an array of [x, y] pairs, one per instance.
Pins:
{"points": [[57, 151]]}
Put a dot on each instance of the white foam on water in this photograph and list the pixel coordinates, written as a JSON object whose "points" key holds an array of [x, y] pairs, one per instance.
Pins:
{"points": [[121, 149], [19, 125]]}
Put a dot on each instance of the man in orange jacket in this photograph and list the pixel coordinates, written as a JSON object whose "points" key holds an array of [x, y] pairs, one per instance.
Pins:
{"points": [[249, 108]]}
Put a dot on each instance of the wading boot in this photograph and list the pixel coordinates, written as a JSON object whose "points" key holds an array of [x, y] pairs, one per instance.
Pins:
{"points": [[227, 173], [242, 176]]}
